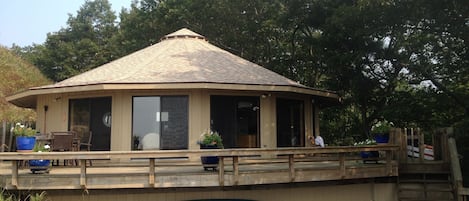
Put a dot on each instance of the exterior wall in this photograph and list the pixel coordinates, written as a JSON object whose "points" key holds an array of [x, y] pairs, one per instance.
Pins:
{"points": [[121, 121], [351, 192], [268, 121], [199, 116], [56, 118]]}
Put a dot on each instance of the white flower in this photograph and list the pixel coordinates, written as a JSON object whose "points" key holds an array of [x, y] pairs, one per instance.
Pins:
{"points": [[46, 146]]}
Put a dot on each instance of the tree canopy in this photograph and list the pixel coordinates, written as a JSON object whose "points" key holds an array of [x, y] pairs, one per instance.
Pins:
{"points": [[401, 61], [16, 75]]}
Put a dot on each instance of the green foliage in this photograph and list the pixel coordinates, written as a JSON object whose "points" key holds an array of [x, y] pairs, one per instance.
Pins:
{"points": [[22, 130], [38, 196], [41, 147], [211, 138], [366, 142], [381, 127], [16, 75], [397, 60], [5, 197], [86, 42]]}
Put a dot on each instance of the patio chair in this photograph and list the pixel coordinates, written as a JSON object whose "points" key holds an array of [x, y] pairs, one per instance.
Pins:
{"points": [[62, 141], [85, 144]]}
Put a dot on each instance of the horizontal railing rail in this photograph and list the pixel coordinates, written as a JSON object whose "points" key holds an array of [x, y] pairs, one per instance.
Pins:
{"points": [[291, 156]]}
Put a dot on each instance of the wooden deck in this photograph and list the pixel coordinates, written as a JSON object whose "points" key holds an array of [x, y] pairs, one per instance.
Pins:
{"points": [[173, 169]]}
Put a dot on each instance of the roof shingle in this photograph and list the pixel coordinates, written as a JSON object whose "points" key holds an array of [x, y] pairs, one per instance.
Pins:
{"points": [[180, 57]]}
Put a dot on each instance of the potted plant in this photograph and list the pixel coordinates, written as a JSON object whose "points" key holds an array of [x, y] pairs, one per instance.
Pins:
{"points": [[25, 137], [210, 140], [368, 155], [40, 165], [380, 131]]}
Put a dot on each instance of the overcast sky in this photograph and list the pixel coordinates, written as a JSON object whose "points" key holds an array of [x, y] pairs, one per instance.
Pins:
{"points": [[25, 22]]}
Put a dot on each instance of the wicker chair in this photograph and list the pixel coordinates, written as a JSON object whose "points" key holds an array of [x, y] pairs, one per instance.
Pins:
{"points": [[62, 141]]}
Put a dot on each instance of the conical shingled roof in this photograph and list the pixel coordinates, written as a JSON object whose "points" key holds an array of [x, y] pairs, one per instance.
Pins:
{"points": [[180, 57]]}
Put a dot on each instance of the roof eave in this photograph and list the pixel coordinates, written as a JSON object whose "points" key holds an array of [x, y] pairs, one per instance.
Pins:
{"points": [[28, 98]]}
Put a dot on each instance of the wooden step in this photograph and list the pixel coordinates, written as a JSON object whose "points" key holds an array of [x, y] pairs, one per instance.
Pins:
{"points": [[426, 190], [422, 199], [425, 181]]}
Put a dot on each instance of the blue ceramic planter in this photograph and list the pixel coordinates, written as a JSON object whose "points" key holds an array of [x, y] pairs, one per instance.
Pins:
{"points": [[25, 143], [209, 161], [39, 165], [369, 156], [381, 137]]}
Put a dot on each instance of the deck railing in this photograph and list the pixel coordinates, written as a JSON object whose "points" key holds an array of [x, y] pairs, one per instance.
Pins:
{"points": [[443, 148], [463, 193], [297, 165]]}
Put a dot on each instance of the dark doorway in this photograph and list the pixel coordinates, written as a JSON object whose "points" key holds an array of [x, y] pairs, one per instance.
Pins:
{"points": [[236, 118], [92, 115], [290, 123]]}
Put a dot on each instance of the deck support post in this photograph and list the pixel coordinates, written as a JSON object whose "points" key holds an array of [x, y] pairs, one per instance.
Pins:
{"points": [[14, 173], [388, 162], [83, 173], [291, 167], [235, 170], [342, 165], [151, 172], [221, 171]]}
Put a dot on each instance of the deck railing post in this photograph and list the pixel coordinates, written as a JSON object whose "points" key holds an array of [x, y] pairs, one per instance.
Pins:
{"points": [[151, 173], [221, 171], [83, 173], [291, 166], [342, 164], [235, 170], [388, 162], [14, 173], [421, 144]]}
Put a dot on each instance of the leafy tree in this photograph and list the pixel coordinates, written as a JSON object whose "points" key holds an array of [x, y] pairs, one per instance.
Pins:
{"points": [[84, 44], [404, 61], [16, 75]]}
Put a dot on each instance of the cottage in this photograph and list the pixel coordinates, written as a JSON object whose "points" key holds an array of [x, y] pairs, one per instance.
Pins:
{"points": [[164, 96]]}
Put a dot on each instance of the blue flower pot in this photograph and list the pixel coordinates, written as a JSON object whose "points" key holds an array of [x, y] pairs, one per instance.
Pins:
{"points": [[24, 143], [39, 165], [209, 162], [369, 156], [382, 138]]}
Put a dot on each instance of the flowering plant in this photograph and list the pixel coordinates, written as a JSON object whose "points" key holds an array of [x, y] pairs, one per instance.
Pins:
{"points": [[365, 143], [22, 130], [211, 138], [39, 147], [382, 127]]}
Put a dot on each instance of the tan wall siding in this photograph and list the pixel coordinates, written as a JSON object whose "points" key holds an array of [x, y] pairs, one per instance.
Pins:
{"points": [[316, 120], [308, 120], [268, 121], [121, 130], [56, 117], [353, 192], [199, 116], [199, 113]]}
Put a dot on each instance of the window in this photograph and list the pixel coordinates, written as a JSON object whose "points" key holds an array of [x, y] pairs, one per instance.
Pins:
{"points": [[160, 122], [236, 118], [92, 115], [290, 123]]}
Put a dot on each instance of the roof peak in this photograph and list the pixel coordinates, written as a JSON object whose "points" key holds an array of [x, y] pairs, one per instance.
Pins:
{"points": [[183, 33]]}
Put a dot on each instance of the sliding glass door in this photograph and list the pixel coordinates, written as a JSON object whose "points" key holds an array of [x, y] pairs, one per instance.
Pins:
{"points": [[290, 123], [236, 118], [160, 122], [92, 115]]}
